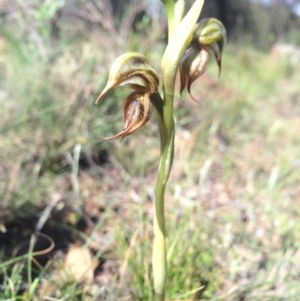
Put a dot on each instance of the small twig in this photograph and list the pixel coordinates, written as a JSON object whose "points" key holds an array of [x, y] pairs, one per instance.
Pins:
{"points": [[127, 256], [74, 162], [45, 215]]}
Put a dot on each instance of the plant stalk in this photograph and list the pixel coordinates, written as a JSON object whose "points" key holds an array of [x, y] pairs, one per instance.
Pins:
{"points": [[159, 262], [180, 36]]}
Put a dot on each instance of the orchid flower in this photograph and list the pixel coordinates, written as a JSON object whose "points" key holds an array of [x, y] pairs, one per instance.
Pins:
{"points": [[134, 70], [209, 37]]}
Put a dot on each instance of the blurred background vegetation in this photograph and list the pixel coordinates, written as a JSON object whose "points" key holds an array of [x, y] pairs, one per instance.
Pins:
{"points": [[234, 194]]}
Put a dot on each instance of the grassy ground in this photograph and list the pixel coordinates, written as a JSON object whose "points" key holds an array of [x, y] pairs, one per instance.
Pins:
{"points": [[232, 200]]}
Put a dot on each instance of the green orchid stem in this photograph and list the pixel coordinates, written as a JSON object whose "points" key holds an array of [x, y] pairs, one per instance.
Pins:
{"points": [[159, 257], [134, 70], [159, 261], [180, 35], [169, 8]]}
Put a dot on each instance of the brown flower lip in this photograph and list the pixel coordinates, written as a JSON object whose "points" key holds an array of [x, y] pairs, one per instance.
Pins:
{"points": [[193, 65], [137, 111]]}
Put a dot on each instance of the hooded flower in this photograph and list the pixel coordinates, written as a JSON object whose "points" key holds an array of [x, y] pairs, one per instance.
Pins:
{"points": [[134, 70], [209, 37]]}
